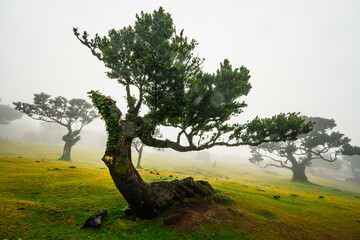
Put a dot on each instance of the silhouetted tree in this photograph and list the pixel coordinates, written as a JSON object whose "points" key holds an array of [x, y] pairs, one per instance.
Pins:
{"points": [[321, 143], [352, 160], [161, 75], [72, 114], [8, 114], [139, 146]]}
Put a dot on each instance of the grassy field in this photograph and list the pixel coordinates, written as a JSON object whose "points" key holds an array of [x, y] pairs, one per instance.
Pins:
{"points": [[42, 198]]}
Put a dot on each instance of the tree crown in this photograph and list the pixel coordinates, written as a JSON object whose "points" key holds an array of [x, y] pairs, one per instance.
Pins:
{"points": [[158, 68], [321, 143], [68, 113]]}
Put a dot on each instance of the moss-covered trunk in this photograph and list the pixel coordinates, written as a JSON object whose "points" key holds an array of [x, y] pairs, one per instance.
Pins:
{"points": [[128, 181], [146, 200]]}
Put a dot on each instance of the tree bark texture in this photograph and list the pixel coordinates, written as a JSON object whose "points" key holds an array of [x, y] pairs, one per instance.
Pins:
{"points": [[299, 173], [149, 199]]}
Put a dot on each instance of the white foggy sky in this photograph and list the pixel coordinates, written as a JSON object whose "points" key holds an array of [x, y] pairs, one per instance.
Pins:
{"points": [[303, 56]]}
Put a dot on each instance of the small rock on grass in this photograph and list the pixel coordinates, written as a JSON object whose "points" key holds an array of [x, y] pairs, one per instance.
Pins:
{"points": [[95, 220], [321, 197], [293, 195], [277, 197], [72, 167]]}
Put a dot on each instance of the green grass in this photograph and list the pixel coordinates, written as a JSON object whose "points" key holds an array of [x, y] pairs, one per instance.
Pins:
{"points": [[50, 200]]}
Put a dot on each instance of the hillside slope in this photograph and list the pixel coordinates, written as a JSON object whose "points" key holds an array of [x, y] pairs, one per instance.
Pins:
{"points": [[46, 199]]}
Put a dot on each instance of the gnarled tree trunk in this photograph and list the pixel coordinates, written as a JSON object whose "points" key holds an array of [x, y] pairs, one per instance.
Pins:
{"points": [[70, 139], [146, 200]]}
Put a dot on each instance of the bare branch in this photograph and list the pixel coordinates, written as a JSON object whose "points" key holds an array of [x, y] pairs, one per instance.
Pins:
{"points": [[279, 166], [91, 45], [258, 164]]}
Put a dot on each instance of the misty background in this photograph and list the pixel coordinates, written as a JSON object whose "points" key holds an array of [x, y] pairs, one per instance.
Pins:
{"points": [[303, 56]]}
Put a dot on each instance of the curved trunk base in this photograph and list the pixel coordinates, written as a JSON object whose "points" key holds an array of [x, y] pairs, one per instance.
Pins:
{"points": [[146, 200], [167, 193]]}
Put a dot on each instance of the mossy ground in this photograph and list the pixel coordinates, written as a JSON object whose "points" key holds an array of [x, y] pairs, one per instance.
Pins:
{"points": [[42, 198]]}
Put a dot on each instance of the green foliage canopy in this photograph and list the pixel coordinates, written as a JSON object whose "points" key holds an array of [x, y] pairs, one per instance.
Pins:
{"points": [[161, 74]]}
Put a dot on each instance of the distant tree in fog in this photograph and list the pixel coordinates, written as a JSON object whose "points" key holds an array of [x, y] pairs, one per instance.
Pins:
{"points": [[72, 114], [352, 160], [321, 143], [8, 114], [139, 146]]}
